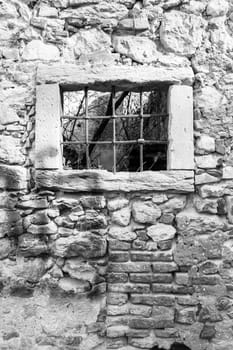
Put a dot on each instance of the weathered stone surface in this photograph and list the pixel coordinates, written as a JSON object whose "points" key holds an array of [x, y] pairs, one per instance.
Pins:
{"points": [[32, 245], [229, 208], [185, 316], [174, 205], [206, 143], [216, 190], [6, 247], [10, 151], [212, 206], [83, 244], [189, 222], [48, 11], [93, 202], [205, 178], [181, 33], [163, 316], [145, 212], [88, 180], [90, 220], [36, 203], [122, 233], [209, 98], [227, 173], [89, 41], [122, 76], [217, 8], [117, 203], [140, 49], [121, 216], [73, 286], [161, 232], [7, 114], [39, 218], [47, 229], [81, 270], [13, 177], [208, 161], [37, 50]]}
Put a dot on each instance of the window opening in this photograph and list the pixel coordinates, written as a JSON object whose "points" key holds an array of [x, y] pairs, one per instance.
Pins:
{"points": [[116, 131]]}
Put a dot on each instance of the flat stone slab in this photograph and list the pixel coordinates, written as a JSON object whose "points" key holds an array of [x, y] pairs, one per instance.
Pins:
{"points": [[181, 181], [103, 77]]}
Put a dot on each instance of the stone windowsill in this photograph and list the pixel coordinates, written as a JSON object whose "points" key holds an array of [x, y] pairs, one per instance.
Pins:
{"points": [[178, 181]]}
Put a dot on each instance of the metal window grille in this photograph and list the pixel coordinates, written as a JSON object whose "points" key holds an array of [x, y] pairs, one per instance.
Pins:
{"points": [[89, 143]]}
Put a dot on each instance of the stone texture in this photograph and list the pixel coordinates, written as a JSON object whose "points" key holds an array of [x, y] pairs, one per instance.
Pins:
{"points": [[80, 270], [140, 49], [121, 216], [37, 50], [10, 151], [161, 232], [217, 8], [7, 114], [13, 177], [208, 161], [84, 244], [145, 212], [209, 98], [181, 33], [190, 222], [122, 233], [206, 143]]}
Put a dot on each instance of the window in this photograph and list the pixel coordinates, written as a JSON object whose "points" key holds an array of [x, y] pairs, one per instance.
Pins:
{"points": [[133, 137], [116, 131]]}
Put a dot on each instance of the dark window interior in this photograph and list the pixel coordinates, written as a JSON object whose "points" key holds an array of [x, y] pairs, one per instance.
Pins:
{"points": [[116, 130]]}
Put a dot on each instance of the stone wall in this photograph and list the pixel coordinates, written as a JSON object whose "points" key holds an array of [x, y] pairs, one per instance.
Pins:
{"points": [[116, 270]]}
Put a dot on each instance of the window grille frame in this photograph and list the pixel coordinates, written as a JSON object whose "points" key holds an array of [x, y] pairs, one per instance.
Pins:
{"points": [[113, 117]]}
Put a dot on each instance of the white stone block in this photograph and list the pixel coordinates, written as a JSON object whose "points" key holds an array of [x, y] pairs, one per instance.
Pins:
{"points": [[180, 129], [48, 127]]}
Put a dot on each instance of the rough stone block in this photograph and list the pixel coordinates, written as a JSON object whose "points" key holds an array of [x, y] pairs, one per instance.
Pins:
{"points": [[185, 316], [122, 233], [10, 150], [161, 232], [145, 212], [37, 50], [121, 217]]}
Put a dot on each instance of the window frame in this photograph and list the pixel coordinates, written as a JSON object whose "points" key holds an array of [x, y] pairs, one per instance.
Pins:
{"points": [[48, 154]]}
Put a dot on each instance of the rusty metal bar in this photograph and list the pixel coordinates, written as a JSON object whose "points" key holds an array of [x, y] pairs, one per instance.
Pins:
{"points": [[87, 129], [154, 115], [114, 128], [129, 142], [141, 131]]}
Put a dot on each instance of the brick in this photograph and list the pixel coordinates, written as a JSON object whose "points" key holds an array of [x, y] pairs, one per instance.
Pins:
{"points": [[163, 300], [138, 244], [129, 267], [165, 245], [182, 278], [151, 256], [115, 343], [136, 334], [114, 244], [164, 267], [187, 300], [129, 288], [117, 277], [117, 298], [167, 333], [206, 280], [116, 331], [140, 310], [149, 278], [141, 323], [118, 256], [162, 288], [115, 310]]}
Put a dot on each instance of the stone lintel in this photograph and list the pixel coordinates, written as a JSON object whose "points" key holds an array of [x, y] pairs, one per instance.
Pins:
{"points": [[103, 77], [180, 181]]}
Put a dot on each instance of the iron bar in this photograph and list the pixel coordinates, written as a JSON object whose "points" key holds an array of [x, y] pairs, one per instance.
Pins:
{"points": [[122, 142], [141, 131], [114, 128], [86, 129]]}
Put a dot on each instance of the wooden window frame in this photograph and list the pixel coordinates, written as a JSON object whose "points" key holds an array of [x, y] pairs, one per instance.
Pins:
{"points": [[48, 162]]}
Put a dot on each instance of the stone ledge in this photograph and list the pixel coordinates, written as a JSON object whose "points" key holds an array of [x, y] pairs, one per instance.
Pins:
{"points": [[103, 77], [178, 181]]}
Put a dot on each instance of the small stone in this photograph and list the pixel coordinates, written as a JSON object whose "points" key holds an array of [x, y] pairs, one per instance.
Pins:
{"points": [[48, 229], [216, 8], [31, 245], [227, 173], [205, 179], [81, 270], [208, 332], [117, 203], [7, 114], [47, 11], [181, 33], [6, 248], [38, 218], [140, 49], [229, 208], [208, 161], [37, 50], [83, 244], [33, 204], [10, 150], [73, 286], [209, 98], [161, 232], [93, 202], [121, 217], [185, 316], [206, 143], [190, 222], [122, 233], [145, 212]]}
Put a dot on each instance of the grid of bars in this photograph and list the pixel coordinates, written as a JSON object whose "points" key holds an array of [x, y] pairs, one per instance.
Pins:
{"points": [[140, 141]]}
